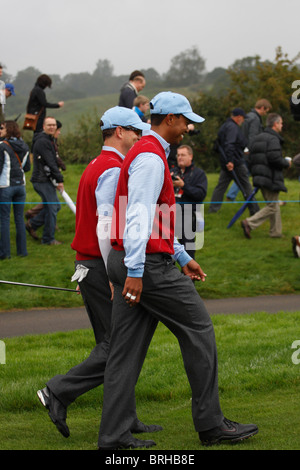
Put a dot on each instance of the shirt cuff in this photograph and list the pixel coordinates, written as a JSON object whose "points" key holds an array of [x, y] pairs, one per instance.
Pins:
{"points": [[183, 259], [135, 272]]}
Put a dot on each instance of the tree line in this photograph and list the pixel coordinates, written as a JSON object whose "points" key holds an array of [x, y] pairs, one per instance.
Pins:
{"points": [[186, 68], [216, 94]]}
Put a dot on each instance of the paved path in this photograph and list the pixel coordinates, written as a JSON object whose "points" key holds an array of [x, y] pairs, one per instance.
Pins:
{"points": [[20, 323]]}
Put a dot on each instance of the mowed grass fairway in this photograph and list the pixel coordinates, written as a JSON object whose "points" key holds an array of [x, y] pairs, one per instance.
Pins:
{"points": [[258, 380]]}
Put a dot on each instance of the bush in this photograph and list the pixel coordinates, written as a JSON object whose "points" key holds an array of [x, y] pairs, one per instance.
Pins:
{"points": [[85, 142]]}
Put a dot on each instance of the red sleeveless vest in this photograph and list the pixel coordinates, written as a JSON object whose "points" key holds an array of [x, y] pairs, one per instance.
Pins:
{"points": [[162, 236], [85, 242]]}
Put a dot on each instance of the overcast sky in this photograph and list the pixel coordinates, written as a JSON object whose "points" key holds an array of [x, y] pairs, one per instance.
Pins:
{"points": [[65, 36]]}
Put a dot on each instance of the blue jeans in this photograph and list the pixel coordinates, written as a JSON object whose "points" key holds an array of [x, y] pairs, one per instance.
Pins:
{"points": [[47, 216], [15, 195]]}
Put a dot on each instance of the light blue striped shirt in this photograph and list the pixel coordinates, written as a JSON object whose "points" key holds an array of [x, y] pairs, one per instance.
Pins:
{"points": [[146, 177], [106, 187]]}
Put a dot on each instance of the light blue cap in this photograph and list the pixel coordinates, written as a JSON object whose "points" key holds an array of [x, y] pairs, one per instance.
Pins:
{"points": [[119, 116], [168, 102]]}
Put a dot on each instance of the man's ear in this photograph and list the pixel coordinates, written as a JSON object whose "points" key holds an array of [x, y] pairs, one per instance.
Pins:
{"points": [[119, 132], [169, 119]]}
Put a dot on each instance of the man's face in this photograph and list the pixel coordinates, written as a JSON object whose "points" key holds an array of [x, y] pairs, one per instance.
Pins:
{"points": [[7, 93], [140, 84], [144, 107], [178, 128], [240, 120], [50, 126], [130, 138], [278, 125], [264, 111], [184, 158], [2, 131]]}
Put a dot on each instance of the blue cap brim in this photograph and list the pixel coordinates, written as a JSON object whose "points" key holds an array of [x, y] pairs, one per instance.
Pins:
{"points": [[193, 117]]}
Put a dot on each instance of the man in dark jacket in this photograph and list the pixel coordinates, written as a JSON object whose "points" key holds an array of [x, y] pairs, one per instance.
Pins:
{"points": [[130, 90], [266, 164], [252, 126], [45, 178], [190, 185], [253, 121], [231, 147]]}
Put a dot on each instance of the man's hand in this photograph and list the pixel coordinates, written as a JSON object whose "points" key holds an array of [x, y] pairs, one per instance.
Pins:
{"points": [[194, 271], [112, 290], [132, 290], [178, 183], [60, 187], [230, 166]]}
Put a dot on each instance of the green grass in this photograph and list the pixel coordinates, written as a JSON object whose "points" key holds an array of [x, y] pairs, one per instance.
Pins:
{"points": [[235, 266], [257, 379]]}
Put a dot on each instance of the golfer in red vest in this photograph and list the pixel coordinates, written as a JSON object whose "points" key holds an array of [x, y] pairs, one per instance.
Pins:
{"points": [[148, 288]]}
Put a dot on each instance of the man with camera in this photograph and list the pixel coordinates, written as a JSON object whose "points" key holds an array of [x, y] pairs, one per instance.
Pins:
{"points": [[45, 172], [190, 186]]}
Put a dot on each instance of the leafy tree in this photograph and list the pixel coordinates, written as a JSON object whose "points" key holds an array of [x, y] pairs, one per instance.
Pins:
{"points": [[273, 81], [186, 68], [25, 80], [104, 69], [250, 80]]}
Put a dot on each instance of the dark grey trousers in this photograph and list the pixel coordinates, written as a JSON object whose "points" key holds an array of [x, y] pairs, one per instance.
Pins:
{"points": [[89, 374], [170, 297], [224, 179]]}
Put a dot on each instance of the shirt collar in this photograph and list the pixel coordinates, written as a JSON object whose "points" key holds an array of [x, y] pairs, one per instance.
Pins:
{"points": [[112, 149], [165, 145]]}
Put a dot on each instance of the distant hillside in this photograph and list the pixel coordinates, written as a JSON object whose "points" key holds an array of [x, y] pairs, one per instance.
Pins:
{"points": [[74, 109]]}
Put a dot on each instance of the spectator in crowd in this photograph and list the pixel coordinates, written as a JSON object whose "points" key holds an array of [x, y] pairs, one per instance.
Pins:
{"points": [[37, 209], [9, 90], [296, 238], [130, 89], [2, 84], [266, 166], [231, 143], [296, 246], [141, 106], [38, 103], [2, 97], [14, 161], [190, 185], [251, 127], [46, 178]]}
